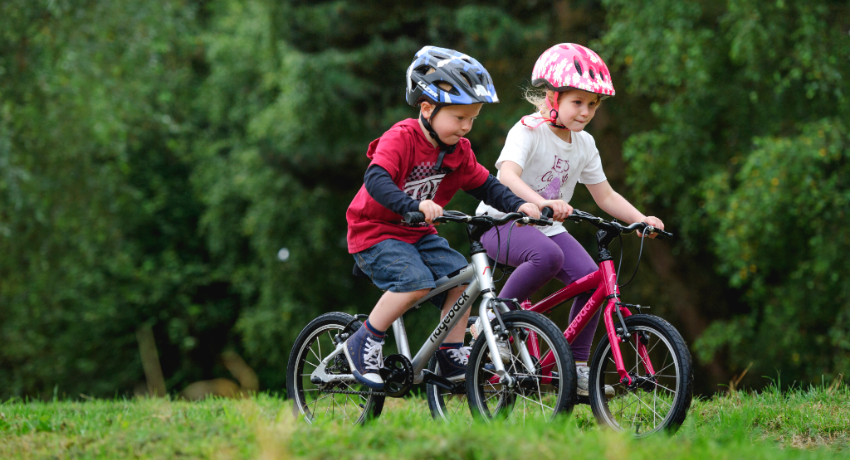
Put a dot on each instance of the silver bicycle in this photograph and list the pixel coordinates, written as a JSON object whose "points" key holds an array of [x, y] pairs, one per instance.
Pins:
{"points": [[319, 377]]}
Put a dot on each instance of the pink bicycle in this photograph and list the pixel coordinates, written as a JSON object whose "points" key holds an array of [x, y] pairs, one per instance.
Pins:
{"points": [[642, 358]]}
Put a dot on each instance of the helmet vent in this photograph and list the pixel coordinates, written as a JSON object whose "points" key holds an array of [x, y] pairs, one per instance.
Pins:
{"points": [[578, 66], [592, 75], [447, 87], [466, 77]]}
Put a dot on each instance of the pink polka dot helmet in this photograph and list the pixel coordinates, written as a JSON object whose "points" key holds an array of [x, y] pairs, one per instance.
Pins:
{"points": [[569, 66]]}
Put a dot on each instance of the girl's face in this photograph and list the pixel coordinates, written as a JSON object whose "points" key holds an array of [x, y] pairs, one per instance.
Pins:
{"points": [[576, 108], [452, 122]]}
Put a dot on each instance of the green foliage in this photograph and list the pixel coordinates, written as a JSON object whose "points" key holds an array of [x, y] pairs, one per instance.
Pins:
{"points": [[98, 215], [154, 157], [789, 198], [745, 152]]}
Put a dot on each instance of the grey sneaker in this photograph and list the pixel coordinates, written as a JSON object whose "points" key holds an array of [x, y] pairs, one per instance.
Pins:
{"points": [[504, 348], [583, 373], [365, 356]]}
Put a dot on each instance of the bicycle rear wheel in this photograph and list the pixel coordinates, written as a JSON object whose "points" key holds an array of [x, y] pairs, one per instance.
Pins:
{"points": [[657, 401], [537, 394], [348, 403]]}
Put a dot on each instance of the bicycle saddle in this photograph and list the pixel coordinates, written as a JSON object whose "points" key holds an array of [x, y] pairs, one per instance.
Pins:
{"points": [[356, 271]]}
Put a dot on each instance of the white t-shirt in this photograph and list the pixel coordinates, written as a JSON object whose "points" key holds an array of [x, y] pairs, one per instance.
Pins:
{"points": [[550, 166]]}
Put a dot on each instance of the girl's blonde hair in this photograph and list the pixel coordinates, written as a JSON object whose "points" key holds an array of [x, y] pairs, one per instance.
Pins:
{"points": [[537, 97]]}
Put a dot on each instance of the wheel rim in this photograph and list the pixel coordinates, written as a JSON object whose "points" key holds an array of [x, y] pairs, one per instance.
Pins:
{"points": [[640, 411], [531, 400], [317, 404]]}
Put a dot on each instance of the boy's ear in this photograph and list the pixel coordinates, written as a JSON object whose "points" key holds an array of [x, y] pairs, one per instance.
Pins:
{"points": [[426, 108]]}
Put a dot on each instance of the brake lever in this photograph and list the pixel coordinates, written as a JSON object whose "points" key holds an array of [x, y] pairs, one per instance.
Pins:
{"points": [[658, 231]]}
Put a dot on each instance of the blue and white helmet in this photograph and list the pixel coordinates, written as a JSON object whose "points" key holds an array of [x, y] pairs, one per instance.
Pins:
{"points": [[469, 80]]}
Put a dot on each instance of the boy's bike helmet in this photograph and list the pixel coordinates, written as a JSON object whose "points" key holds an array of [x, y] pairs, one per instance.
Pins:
{"points": [[469, 81], [447, 77], [569, 66]]}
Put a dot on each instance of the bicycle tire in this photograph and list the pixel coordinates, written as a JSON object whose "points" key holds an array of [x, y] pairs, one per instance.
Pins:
{"points": [[536, 395], [313, 344], [671, 385]]}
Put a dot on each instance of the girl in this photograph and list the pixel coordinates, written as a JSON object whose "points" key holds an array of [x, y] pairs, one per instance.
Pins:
{"points": [[545, 155]]}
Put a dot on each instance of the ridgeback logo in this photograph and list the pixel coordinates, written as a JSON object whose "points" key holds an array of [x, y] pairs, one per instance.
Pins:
{"points": [[444, 326]]}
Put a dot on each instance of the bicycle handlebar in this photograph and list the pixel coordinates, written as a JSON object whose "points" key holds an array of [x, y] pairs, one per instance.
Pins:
{"points": [[415, 217], [598, 222]]}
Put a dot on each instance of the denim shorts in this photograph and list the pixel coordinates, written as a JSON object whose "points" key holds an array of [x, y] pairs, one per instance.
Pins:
{"points": [[397, 266]]}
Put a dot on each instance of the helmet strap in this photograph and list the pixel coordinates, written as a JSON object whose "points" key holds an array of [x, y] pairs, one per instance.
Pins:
{"points": [[444, 148], [553, 112]]}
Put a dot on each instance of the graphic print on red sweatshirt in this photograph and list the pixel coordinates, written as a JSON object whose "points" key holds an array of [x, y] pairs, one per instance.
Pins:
{"points": [[422, 182]]}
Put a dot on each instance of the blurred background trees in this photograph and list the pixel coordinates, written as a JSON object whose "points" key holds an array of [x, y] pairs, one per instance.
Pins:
{"points": [[154, 158]]}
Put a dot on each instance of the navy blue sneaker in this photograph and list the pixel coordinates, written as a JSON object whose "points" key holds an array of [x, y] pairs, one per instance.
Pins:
{"points": [[452, 361], [364, 351]]}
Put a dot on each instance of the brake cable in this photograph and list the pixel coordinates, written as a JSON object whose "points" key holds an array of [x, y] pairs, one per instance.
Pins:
{"points": [[640, 254], [507, 250]]}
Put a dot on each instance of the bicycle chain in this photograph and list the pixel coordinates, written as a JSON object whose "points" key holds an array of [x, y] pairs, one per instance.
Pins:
{"points": [[360, 393]]}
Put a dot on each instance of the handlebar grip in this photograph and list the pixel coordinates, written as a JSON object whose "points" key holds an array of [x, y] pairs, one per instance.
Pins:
{"points": [[414, 217], [547, 212]]}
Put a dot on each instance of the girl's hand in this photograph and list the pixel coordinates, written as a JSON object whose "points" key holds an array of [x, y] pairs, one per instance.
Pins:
{"points": [[562, 209], [531, 210], [431, 210], [655, 222]]}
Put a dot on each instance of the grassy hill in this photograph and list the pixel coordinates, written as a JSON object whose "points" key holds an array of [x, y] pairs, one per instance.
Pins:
{"points": [[811, 423]]}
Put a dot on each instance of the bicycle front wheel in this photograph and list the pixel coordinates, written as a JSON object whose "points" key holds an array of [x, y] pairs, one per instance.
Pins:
{"points": [[657, 400], [347, 403], [539, 392]]}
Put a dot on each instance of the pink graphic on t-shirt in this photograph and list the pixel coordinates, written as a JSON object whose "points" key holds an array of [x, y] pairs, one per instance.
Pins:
{"points": [[553, 179], [553, 190]]}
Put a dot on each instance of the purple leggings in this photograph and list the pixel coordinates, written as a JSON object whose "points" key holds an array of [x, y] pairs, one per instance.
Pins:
{"points": [[539, 258]]}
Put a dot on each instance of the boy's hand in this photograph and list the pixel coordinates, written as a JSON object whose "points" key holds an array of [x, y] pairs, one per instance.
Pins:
{"points": [[431, 210], [655, 222], [562, 209], [531, 210]]}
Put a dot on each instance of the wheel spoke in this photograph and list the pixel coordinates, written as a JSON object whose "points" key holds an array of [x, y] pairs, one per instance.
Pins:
{"points": [[314, 354], [653, 411], [665, 367], [531, 401], [662, 386]]}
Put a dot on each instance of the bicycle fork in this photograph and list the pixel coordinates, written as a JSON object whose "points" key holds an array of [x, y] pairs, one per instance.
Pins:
{"points": [[485, 277]]}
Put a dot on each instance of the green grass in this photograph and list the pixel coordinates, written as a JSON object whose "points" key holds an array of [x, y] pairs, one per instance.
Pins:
{"points": [[813, 423]]}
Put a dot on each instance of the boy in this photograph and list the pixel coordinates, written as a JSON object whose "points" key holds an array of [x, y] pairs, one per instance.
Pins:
{"points": [[418, 165]]}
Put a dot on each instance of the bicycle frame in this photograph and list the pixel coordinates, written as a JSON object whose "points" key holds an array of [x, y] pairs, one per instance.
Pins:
{"points": [[607, 292], [479, 276]]}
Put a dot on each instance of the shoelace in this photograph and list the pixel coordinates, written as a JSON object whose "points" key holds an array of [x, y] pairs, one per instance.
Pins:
{"points": [[372, 354], [583, 371], [460, 355]]}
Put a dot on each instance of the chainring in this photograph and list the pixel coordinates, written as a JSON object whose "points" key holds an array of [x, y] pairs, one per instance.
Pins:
{"points": [[398, 375]]}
